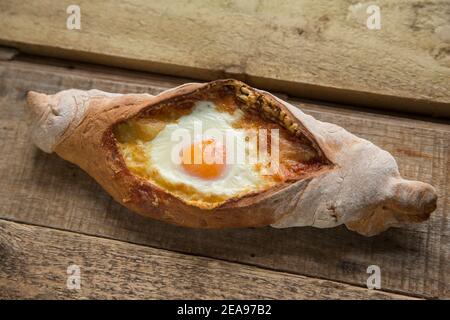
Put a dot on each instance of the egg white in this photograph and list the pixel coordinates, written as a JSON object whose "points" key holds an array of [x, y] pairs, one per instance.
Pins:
{"points": [[238, 178]]}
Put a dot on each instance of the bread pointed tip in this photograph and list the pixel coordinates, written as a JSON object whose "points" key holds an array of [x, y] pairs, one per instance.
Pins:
{"points": [[413, 200], [51, 115], [38, 110], [37, 103]]}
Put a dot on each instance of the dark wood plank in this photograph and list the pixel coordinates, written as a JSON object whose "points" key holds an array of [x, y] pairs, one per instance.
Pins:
{"points": [[34, 262], [45, 190]]}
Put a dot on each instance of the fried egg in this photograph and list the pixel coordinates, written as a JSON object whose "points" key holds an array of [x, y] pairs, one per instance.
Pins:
{"points": [[208, 178], [193, 150]]}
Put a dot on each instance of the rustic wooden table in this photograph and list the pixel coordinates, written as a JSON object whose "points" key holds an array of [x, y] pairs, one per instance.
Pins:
{"points": [[53, 215]]}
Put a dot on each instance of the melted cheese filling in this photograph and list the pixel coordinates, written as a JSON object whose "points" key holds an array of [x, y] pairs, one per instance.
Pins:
{"points": [[145, 145]]}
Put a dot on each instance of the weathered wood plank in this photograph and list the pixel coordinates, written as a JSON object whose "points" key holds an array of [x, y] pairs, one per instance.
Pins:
{"points": [[43, 189], [35, 260], [314, 49]]}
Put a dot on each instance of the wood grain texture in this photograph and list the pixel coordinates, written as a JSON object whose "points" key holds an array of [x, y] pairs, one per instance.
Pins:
{"points": [[35, 260], [43, 189], [308, 48]]}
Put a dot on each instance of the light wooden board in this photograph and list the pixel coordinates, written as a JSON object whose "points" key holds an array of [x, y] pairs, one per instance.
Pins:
{"points": [[307, 48], [35, 261], [43, 189]]}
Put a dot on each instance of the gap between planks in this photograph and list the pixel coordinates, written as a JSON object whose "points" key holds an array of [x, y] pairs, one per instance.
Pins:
{"points": [[160, 82]]}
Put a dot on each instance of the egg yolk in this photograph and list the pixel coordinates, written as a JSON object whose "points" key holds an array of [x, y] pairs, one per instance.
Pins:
{"points": [[204, 159]]}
